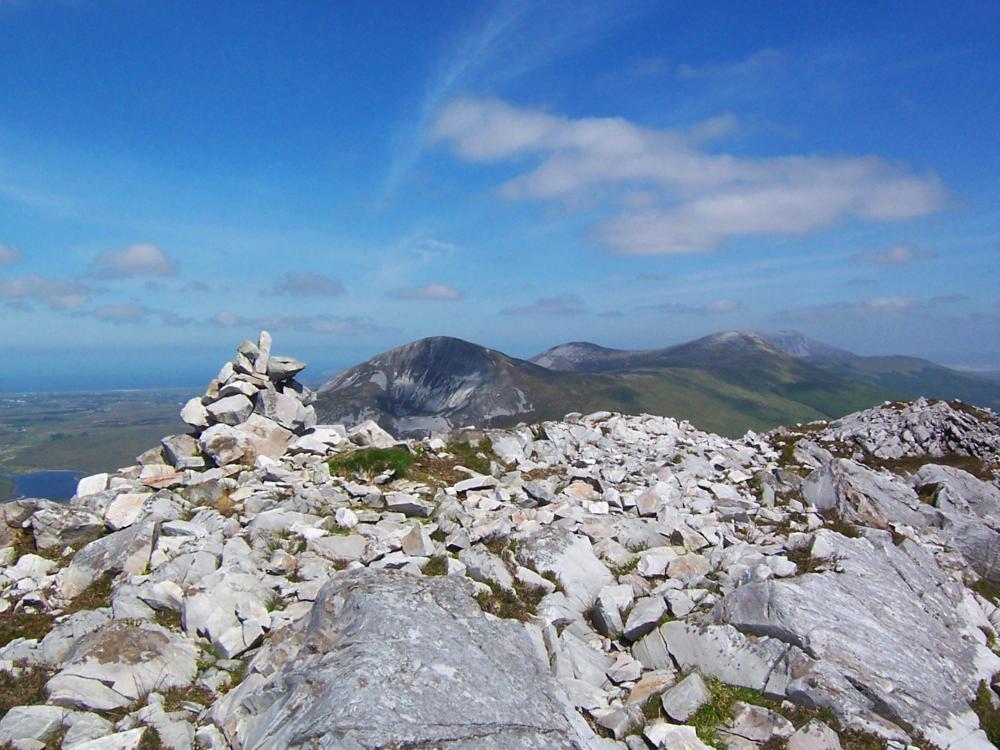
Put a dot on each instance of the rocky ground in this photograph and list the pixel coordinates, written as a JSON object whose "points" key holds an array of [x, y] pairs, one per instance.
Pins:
{"points": [[605, 581]]}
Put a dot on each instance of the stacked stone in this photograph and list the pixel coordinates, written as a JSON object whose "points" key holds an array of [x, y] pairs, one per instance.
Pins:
{"points": [[254, 407]]}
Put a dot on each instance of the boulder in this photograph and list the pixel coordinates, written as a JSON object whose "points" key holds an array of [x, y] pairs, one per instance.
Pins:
{"points": [[126, 551], [814, 736], [283, 368], [124, 510], [60, 526], [369, 435], [570, 557], [195, 414], [687, 696], [92, 485], [472, 682], [231, 410], [182, 452], [40, 723], [118, 663], [280, 407], [894, 595]]}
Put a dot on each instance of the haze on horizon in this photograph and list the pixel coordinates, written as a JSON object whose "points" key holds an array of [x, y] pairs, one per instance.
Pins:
{"points": [[175, 176]]}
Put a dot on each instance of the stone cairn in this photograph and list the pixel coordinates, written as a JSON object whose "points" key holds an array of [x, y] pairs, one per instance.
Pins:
{"points": [[253, 407]]}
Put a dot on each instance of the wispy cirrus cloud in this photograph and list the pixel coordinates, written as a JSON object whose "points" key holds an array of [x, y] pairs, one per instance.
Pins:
{"points": [[433, 292], [308, 284], [9, 255], [897, 255], [562, 304], [138, 260], [514, 38], [701, 198]]}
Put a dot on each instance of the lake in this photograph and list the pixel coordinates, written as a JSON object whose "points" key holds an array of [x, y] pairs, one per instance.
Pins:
{"points": [[51, 485]]}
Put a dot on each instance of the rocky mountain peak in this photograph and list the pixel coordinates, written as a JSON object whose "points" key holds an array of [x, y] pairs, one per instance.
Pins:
{"points": [[597, 582]]}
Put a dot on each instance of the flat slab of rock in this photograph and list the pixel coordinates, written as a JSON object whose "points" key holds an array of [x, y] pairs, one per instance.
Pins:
{"points": [[908, 612], [471, 682], [119, 663]]}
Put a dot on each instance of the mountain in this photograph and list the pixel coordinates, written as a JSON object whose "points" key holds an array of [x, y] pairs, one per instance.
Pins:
{"points": [[910, 376], [728, 382], [275, 580], [427, 385], [800, 345]]}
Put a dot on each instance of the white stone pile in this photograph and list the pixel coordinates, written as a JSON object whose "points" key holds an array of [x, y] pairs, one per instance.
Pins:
{"points": [[263, 600]]}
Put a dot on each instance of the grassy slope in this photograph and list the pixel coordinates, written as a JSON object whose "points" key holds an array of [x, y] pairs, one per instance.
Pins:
{"points": [[706, 399], [917, 377]]}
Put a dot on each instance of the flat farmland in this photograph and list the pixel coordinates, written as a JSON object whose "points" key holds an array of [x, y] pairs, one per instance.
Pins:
{"points": [[88, 432]]}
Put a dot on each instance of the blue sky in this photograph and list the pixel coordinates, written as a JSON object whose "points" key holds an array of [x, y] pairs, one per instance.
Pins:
{"points": [[176, 175]]}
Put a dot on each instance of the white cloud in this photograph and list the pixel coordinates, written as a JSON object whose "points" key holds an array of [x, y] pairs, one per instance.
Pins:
{"points": [[701, 198], [563, 304], [9, 255], [429, 292], [897, 255], [135, 260], [53, 293], [309, 285]]}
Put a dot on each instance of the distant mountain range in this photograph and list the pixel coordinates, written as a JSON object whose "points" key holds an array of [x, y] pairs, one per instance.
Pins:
{"points": [[727, 382]]}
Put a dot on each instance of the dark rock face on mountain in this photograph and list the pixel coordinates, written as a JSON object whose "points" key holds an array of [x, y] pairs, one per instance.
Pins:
{"points": [[602, 582], [431, 384], [730, 382]]}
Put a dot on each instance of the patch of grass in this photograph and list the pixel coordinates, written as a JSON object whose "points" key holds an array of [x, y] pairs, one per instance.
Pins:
{"points": [[437, 566], [985, 589], [370, 462], [989, 717], [150, 740], [500, 544], [34, 625], [469, 455], [519, 604], [625, 568], [173, 698], [96, 595], [909, 465], [852, 739], [168, 618], [833, 522], [26, 689], [717, 712]]}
